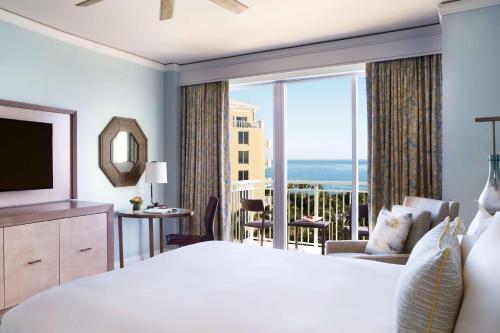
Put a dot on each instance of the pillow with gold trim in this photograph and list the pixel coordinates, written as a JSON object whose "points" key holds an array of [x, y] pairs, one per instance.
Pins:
{"points": [[436, 235], [430, 288]]}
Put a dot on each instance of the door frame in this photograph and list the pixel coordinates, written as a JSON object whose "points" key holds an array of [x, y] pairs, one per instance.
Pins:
{"points": [[280, 172]]}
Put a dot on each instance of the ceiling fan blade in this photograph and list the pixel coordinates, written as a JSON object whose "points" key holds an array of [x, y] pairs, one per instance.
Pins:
{"points": [[166, 9], [231, 5], [87, 3]]}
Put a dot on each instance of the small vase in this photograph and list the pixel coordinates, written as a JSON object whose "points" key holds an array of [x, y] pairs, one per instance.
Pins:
{"points": [[136, 207], [490, 197]]}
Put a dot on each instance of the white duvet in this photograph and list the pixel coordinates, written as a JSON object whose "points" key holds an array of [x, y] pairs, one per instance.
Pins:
{"points": [[219, 287]]}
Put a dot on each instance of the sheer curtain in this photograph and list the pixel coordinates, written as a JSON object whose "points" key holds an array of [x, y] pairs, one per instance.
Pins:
{"points": [[205, 154], [404, 130]]}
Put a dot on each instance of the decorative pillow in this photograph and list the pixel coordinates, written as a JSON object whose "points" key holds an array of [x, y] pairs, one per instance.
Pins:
{"points": [[420, 224], [431, 237], [390, 233], [457, 227], [430, 287], [476, 229], [436, 234], [481, 272]]}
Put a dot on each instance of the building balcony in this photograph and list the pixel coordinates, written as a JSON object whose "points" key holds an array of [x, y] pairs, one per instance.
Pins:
{"points": [[246, 124], [330, 200]]}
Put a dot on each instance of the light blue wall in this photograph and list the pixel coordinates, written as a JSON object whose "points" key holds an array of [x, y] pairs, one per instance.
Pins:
{"points": [[41, 70], [471, 88]]}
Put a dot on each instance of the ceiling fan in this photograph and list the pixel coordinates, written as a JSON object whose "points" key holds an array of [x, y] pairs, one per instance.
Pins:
{"points": [[167, 6]]}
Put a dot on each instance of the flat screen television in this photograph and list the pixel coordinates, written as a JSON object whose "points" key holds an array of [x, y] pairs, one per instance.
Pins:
{"points": [[25, 155]]}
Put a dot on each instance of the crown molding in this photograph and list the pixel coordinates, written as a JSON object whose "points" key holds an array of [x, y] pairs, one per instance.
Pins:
{"points": [[46, 30], [463, 6], [172, 68]]}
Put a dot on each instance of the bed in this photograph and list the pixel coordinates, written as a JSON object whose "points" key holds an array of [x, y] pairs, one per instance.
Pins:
{"points": [[219, 287]]}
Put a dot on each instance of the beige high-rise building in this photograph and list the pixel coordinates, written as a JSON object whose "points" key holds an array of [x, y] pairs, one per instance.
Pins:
{"points": [[247, 143]]}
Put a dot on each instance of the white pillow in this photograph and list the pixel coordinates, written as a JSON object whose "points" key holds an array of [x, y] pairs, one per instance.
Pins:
{"points": [[431, 237], [481, 303], [457, 227], [475, 230], [430, 288], [390, 233]]}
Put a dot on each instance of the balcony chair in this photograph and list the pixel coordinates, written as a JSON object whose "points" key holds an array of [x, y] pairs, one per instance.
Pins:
{"points": [[363, 216], [255, 206], [436, 211], [208, 221]]}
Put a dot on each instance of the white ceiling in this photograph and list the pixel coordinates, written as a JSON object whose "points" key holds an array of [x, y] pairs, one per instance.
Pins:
{"points": [[200, 30]]}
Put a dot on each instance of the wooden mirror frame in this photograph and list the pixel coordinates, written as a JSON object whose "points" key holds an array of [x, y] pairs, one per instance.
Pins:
{"points": [[116, 177]]}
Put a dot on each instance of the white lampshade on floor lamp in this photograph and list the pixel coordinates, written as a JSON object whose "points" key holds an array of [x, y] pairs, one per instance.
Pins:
{"points": [[156, 173]]}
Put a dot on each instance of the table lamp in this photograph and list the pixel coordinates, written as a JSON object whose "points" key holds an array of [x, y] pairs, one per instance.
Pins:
{"points": [[156, 173]]}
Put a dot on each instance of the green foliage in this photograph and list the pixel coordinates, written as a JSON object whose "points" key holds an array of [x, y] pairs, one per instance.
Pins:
{"points": [[332, 206]]}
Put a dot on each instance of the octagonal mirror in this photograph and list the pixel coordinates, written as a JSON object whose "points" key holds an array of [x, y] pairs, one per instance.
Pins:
{"points": [[123, 151]]}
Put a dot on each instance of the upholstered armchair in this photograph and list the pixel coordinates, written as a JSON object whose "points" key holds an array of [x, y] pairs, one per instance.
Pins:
{"points": [[439, 209], [432, 212]]}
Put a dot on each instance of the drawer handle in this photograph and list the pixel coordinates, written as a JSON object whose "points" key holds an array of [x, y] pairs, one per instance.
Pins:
{"points": [[85, 250], [34, 262]]}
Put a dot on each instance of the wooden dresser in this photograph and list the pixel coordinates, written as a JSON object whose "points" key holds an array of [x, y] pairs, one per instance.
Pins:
{"points": [[44, 245]]}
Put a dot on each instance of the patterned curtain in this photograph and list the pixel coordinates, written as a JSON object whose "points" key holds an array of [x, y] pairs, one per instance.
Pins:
{"points": [[205, 154], [404, 130]]}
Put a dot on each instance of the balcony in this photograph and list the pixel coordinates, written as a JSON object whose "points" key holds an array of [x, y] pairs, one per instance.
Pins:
{"points": [[246, 124], [328, 199]]}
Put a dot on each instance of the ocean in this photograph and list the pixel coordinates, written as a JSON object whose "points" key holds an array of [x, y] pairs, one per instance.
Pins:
{"points": [[324, 170]]}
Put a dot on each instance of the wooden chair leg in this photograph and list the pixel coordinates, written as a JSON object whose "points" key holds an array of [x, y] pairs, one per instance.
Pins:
{"points": [[262, 237]]}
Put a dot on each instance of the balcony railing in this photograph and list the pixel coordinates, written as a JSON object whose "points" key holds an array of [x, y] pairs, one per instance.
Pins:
{"points": [[328, 199], [246, 124]]}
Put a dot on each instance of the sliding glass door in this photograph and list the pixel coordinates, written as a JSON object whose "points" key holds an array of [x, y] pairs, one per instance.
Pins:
{"points": [[319, 150], [314, 152]]}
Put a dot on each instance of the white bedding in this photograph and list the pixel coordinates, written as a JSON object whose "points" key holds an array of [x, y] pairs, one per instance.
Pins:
{"points": [[221, 288]]}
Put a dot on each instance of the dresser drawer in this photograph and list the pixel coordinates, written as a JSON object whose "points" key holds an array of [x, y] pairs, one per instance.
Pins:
{"points": [[83, 246], [31, 255]]}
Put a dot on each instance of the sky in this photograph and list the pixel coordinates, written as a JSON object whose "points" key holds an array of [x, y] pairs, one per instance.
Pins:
{"points": [[318, 116]]}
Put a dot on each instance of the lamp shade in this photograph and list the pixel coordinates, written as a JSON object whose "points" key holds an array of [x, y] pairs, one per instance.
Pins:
{"points": [[156, 172]]}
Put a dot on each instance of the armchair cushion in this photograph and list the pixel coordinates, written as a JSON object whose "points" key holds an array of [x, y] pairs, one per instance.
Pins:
{"points": [[439, 209], [397, 259], [420, 224], [345, 247], [390, 233], [453, 208], [356, 250]]}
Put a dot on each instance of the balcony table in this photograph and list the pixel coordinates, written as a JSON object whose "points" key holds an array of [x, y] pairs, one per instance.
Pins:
{"points": [[181, 212], [318, 225]]}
